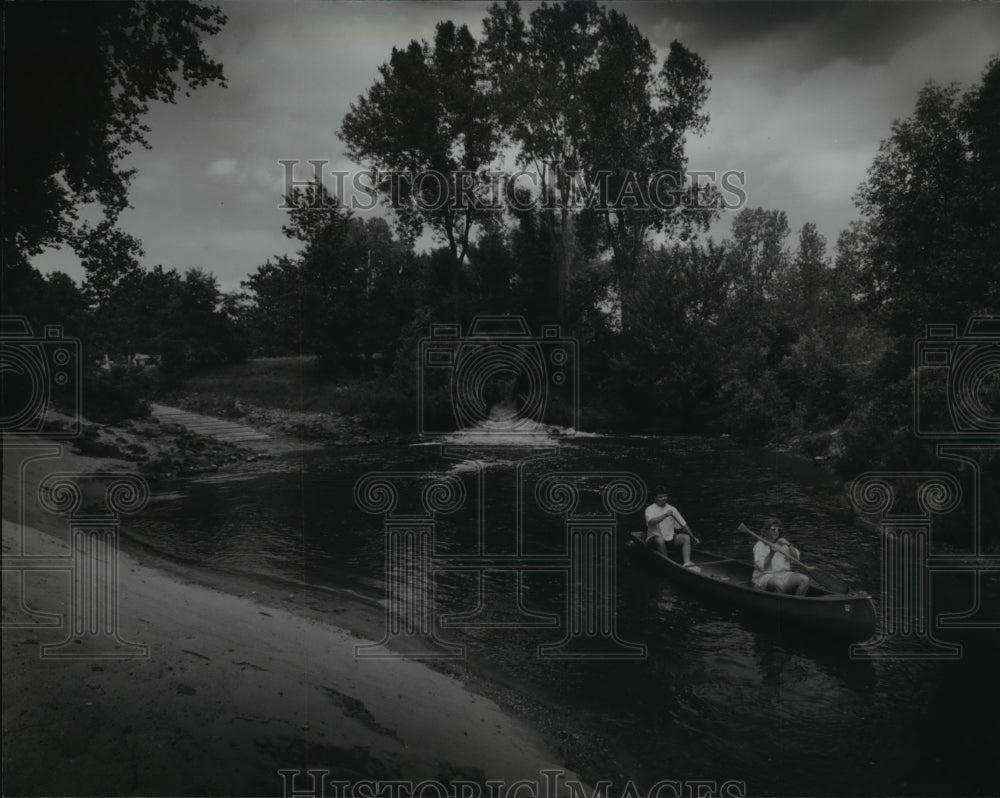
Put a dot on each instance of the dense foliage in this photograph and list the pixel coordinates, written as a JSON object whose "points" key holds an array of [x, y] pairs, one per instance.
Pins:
{"points": [[767, 334], [78, 80]]}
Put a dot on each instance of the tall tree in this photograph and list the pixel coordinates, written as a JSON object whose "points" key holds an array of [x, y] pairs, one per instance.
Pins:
{"points": [[809, 266], [758, 254], [159, 311], [428, 128], [931, 204], [110, 257], [925, 251], [270, 310], [78, 79], [343, 297], [579, 93]]}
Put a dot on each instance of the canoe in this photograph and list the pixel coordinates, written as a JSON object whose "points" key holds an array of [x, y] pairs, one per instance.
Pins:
{"points": [[849, 617]]}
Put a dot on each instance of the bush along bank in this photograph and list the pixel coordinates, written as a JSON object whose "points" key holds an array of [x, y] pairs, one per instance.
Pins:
{"points": [[154, 449]]}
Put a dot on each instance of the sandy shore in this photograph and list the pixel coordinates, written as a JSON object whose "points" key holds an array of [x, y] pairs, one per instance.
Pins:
{"points": [[232, 689]]}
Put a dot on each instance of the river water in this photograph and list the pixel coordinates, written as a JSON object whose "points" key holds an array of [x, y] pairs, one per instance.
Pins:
{"points": [[716, 697]]}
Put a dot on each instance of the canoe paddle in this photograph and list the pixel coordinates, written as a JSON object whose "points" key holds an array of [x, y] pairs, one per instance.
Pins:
{"points": [[840, 588]]}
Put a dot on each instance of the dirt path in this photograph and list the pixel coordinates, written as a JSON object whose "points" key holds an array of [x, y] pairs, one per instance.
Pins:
{"points": [[226, 431]]}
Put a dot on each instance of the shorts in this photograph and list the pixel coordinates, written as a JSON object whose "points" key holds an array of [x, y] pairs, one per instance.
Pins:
{"points": [[650, 537], [777, 580]]}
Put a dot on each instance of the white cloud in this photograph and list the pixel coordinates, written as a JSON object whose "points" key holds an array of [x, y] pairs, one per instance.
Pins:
{"points": [[222, 168], [797, 107]]}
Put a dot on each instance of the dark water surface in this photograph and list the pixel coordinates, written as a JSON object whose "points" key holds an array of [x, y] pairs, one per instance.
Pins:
{"points": [[717, 697]]}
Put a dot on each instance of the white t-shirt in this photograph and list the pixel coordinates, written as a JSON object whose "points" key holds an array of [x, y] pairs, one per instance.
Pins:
{"points": [[668, 526], [779, 562]]}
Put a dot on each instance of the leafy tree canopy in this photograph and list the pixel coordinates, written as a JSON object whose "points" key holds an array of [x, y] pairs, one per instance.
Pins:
{"points": [[78, 79], [931, 206], [580, 94], [427, 119]]}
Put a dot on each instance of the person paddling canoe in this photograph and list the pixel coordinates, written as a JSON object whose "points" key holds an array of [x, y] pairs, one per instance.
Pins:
{"points": [[662, 523], [771, 568]]}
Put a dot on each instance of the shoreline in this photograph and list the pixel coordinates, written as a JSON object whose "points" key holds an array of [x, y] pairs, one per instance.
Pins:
{"points": [[242, 679], [574, 739]]}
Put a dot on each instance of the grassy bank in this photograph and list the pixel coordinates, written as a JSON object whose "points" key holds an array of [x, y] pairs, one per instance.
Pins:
{"points": [[293, 396]]}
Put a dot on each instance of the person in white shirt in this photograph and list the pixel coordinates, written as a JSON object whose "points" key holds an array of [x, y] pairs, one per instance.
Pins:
{"points": [[771, 567], [662, 524]]}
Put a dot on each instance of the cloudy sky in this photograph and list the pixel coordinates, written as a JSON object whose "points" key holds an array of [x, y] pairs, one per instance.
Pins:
{"points": [[801, 96]]}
